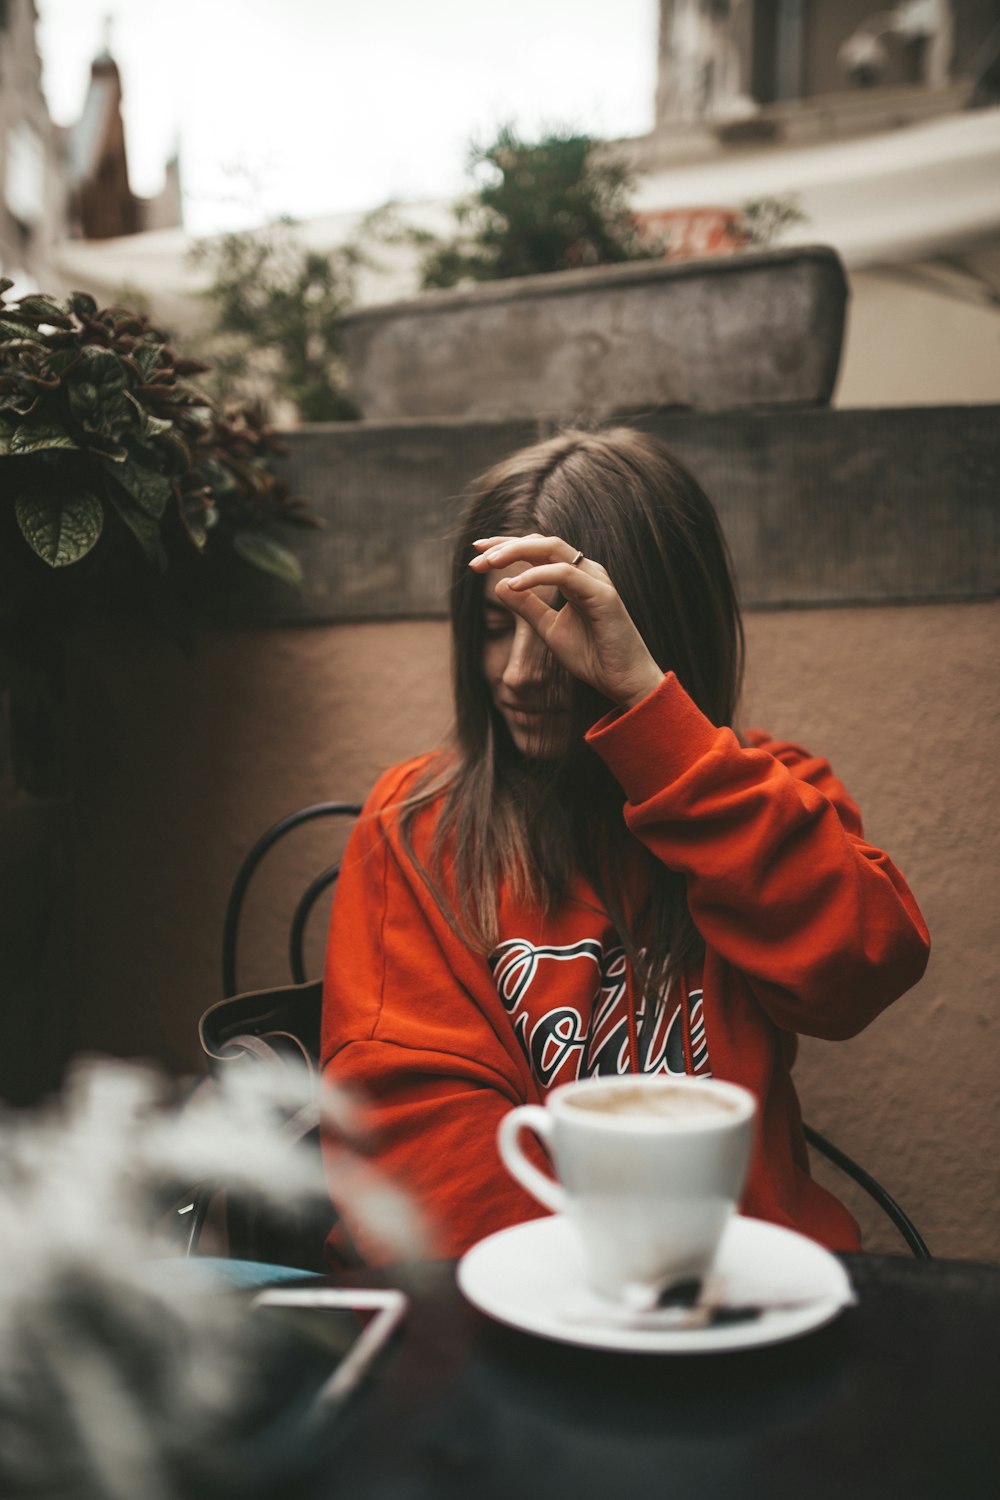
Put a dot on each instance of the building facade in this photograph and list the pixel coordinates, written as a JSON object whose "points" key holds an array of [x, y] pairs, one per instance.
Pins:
{"points": [[58, 183], [102, 204], [34, 189], [782, 69]]}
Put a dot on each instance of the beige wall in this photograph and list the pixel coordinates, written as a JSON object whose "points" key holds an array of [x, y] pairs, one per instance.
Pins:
{"points": [[906, 704], [917, 336], [181, 763]]}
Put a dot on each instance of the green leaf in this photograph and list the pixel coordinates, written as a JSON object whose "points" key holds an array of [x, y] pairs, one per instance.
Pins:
{"points": [[61, 531], [149, 425], [175, 451], [107, 448], [93, 403], [23, 399], [44, 308], [268, 555], [83, 305], [61, 360], [18, 332], [102, 366], [27, 438], [147, 487], [147, 357], [144, 528], [197, 530]]}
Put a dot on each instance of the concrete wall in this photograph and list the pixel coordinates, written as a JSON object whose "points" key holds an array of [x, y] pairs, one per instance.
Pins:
{"points": [[182, 762], [817, 505], [748, 330]]}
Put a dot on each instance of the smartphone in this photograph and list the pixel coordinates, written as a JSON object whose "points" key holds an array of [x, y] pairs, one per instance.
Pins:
{"points": [[335, 1335]]}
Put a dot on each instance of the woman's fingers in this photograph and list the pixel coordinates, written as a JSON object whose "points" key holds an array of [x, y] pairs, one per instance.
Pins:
{"points": [[582, 619], [523, 602], [562, 581], [571, 581], [501, 551]]}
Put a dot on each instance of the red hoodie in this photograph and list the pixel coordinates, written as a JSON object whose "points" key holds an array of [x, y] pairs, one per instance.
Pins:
{"points": [[807, 929]]}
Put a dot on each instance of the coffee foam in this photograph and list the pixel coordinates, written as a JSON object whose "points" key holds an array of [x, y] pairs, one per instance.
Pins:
{"points": [[668, 1101]]}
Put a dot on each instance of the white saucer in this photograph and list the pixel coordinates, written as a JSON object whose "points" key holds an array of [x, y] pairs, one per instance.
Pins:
{"points": [[530, 1275]]}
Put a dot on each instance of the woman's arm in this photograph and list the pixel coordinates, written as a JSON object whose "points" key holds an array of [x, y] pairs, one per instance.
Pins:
{"points": [[780, 882], [412, 1021]]}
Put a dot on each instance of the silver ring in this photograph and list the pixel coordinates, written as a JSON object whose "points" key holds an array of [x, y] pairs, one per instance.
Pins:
{"points": [[577, 560]]}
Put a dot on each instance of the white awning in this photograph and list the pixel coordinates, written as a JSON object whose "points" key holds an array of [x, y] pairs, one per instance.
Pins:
{"points": [[923, 190]]}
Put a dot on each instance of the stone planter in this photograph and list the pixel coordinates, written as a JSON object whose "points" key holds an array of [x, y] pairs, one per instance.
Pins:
{"points": [[755, 329]]}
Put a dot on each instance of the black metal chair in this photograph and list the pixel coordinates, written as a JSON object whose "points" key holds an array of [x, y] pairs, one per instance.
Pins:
{"points": [[300, 918], [269, 1026], [286, 1021], [914, 1239]]}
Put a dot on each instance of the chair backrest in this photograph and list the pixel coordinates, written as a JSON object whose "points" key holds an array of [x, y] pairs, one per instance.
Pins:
{"points": [[875, 1191], [322, 882], [267, 1028]]}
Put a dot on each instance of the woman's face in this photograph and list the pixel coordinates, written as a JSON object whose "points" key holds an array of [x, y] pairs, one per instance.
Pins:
{"points": [[518, 669]]}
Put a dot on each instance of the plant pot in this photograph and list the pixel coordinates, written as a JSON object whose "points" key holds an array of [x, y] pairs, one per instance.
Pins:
{"points": [[757, 329]]}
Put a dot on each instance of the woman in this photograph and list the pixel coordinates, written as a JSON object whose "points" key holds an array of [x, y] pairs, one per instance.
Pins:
{"points": [[503, 923]]}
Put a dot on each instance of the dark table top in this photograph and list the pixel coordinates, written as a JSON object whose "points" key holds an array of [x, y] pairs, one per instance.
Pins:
{"points": [[899, 1397]]}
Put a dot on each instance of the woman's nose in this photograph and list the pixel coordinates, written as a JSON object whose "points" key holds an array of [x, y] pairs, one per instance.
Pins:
{"points": [[526, 662]]}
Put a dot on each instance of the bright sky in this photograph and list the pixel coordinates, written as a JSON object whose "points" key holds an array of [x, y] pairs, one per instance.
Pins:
{"points": [[310, 107]]}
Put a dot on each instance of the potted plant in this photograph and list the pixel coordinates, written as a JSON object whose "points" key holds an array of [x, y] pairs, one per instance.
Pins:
{"points": [[125, 494]]}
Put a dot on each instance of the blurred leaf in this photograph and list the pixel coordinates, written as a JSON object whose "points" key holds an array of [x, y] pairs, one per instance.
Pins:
{"points": [[83, 305], [12, 330], [764, 220], [61, 361], [46, 310], [144, 528], [59, 530], [149, 488], [148, 358], [268, 555], [102, 366], [31, 438]]}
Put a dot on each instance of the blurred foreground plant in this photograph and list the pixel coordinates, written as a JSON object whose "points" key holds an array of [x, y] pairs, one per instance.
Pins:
{"points": [[119, 1377]]}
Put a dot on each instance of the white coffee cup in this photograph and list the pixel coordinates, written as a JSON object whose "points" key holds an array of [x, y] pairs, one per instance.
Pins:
{"points": [[650, 1171]]}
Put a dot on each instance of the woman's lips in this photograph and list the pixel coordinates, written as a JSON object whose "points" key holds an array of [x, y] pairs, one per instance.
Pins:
{"points": [[523, 713], [534, 719]]}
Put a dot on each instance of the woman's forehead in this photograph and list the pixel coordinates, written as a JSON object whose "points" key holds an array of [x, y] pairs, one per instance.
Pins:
{"points": [[493, 578]]}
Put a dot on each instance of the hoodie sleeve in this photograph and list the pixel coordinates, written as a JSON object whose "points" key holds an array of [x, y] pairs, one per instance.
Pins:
{"points": [[411, 1024], [780, 880]]}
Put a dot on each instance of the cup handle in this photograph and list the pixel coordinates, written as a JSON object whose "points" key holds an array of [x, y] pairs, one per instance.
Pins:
{"points": [[529, 1117]]}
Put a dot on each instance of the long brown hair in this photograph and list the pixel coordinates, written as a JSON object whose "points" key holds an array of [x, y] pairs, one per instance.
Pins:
{"points": [[532, 825]]}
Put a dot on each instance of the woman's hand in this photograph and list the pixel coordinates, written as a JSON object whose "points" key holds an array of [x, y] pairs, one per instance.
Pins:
{"points": [[593, 635]]}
